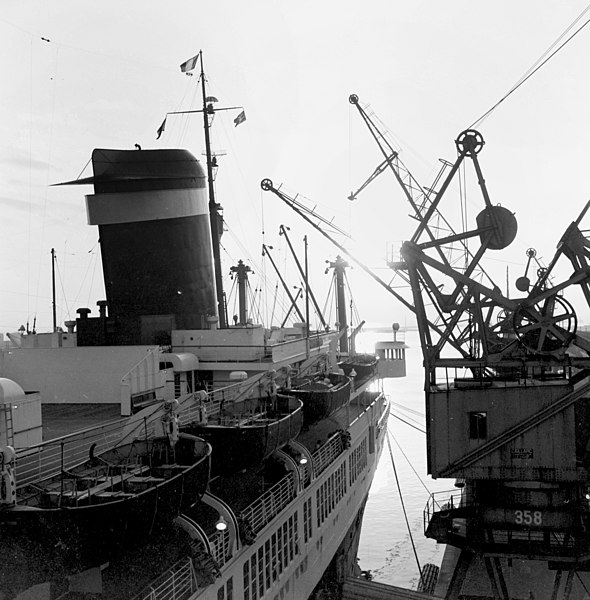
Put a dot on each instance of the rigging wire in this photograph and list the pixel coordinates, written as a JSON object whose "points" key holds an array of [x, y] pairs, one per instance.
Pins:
{"points": [[328, 309], [264, 283], [582, 582], [463, 203], [355, 316], [84, 167], [274, 304], [255, 303], [402, 408], [412, 467], [94, 264], [125, 58], [538, 64], [233, 295], [63, 291], [264, 262], [182, 125], [399, 489], [30, 220], [407, 423], [408, 409]]}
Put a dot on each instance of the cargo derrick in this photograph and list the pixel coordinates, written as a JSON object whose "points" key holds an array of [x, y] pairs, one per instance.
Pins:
{"points": [[507, 380]]}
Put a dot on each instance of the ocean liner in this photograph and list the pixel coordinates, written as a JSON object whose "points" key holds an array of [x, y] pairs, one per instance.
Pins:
{"points": [[279, 513]]}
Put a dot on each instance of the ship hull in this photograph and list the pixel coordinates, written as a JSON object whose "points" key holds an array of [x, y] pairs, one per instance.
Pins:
{"points": [[312, 554]]}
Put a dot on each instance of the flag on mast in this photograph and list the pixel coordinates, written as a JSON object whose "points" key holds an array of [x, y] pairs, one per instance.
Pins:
{"points": [[190, 64], [240, 119], [161, 128]]}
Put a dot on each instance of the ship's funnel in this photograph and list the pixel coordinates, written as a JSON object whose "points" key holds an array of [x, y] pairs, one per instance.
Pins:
{"points": [[151, 209]]}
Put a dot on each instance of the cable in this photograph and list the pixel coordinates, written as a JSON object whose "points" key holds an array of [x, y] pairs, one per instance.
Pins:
{"points": [[409, 463], [413, 426], [117, 57], [526, 77], [420, 421], [420, 424], [407, 409], [404, 509], [583, 584]]}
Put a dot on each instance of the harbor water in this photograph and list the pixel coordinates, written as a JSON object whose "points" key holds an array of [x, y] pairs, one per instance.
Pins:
{"points": [[386, 548]]}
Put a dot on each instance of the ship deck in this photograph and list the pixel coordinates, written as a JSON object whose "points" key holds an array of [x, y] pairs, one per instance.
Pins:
{"points": [[257, 488], [63, 419], [319, 432]]}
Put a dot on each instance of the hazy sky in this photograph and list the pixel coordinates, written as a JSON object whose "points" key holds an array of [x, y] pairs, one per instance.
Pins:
{"points": [[84, 75]]}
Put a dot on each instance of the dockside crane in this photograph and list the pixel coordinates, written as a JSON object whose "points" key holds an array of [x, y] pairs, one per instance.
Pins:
{"points": [[514, 424], [507, 379]]}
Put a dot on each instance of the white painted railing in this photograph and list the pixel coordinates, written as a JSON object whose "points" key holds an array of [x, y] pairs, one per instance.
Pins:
{"points": [[178, 583], [270, 504], [220, 547], [51, 457], [326, 454]]}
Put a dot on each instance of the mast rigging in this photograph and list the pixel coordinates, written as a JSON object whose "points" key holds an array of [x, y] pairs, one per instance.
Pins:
{"points": [[215, 215]]}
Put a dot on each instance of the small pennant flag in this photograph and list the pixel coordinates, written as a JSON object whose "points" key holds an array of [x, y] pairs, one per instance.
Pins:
{"points": [[240, 119], [161, 129], [190, 64]]}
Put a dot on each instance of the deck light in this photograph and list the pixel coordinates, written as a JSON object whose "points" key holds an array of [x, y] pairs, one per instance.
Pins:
{"points": [[221, 524]]}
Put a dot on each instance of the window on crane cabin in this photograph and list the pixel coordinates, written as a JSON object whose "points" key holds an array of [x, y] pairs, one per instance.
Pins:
{"points": [[478, 425]]}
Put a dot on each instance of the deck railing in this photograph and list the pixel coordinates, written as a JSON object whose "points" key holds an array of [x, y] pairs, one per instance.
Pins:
{"points": [[194, 412], [51, 457], [217, 399], [216, 416], [270, 504], [220, 547], [559, 542], [441, 501], [324, 456], [179, 582]]}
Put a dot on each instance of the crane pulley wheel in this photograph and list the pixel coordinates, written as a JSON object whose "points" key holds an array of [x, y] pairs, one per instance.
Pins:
{"points": [[469, 141], [547, 326]]}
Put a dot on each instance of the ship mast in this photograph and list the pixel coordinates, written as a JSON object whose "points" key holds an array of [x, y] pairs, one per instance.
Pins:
{"points": [[215, 218], [339, 266], [213, 206], [53, 289], [242, 270]]}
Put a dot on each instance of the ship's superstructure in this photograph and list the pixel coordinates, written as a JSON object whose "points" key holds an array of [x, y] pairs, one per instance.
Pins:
{"points": [[279, 543], [244, 455]]}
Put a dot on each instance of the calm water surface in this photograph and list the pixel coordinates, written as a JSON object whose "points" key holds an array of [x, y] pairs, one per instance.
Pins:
{"points": [[385, 546]]}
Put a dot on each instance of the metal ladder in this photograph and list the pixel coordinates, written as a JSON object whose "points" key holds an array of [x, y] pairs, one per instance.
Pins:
{"points": [[9, 425]]}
